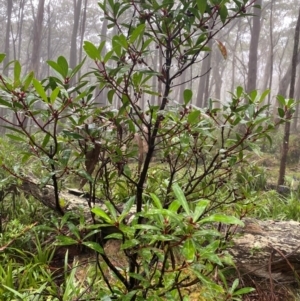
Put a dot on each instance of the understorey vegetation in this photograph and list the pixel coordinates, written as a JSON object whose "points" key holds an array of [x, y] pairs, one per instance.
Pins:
{"points": [[166, 184]]}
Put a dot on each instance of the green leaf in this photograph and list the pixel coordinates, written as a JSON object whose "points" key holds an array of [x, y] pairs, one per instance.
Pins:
{"points": [[2, 57], [264, 95], [94, 246], [129, 296], [40, 90], [174, 206], [102, 214], [46, 140], [181, 197], [130, 243], [281, 100], [209, 283], [56, 67], [201, 4], [220, 218], [54, 94], [234, 285], [65, 240], [77, 68], [223, 13], [91, 50], [189, 250], [108, 56], [156, 201], [243, 291], [17, 73], [110, 96], [193, 117], [16, 293], [16, 138], [200, 208], [239, 91], [281, 112], [27, 80], [187, 96], [138, 31], [62, 62], [111, 209]]}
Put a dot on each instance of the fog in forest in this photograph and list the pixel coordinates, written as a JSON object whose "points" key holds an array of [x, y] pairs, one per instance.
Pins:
{"points": [[254, 52]]}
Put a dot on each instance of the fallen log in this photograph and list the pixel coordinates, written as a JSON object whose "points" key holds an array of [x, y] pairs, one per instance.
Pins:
{"points": [[265, 249]]}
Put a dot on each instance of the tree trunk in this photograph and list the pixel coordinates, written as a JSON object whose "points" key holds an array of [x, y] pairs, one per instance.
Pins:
{"points": [[83, 21], [253, 57], [297, 97], [285, 147], [73, 49], [204, 79], [7, 34], [37, 36]]}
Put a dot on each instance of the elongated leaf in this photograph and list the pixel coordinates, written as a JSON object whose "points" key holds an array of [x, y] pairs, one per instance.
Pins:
{"points": [[27, 80], [16, 138], [200, 207], [181, 197], [65, 240], [138, 31], [94, 246], [62, 62], [243, 291], [54, 94], [91, 50], [2, 57], [127, 207], [102, 214], [111, 209], [223, 13], [76, 69], [189, 250], [201, 4], [156, 201], [110, 96], [220, 218], [45, 140], [174, 206], [193, 117], [56, 67], [17, 73], [40, 89], [187, 96]]}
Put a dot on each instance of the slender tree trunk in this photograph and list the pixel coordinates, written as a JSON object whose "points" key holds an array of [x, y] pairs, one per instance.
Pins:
{"points": [[20, 27], [7, 34], [286, 79], [49, 37], [73, 49], [287, 126], [83, 21], [297, 97], [253, 57], [204, 79], [37, 36]]}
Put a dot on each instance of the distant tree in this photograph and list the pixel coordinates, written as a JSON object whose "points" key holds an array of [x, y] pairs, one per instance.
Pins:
{"points": [[253, 53], [73, 48], [37, 38], [7, 34], [289, 114]]}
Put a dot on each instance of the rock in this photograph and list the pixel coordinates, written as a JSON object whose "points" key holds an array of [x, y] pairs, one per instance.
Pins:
{"points": [[268, 249]]}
